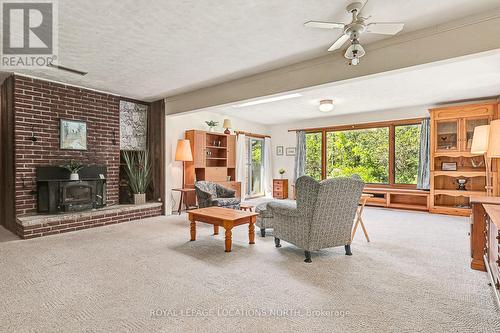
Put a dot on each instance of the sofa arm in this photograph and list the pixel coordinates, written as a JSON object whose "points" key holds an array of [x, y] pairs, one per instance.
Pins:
{"points": [[224, 192], [203, 195], [285, 209]]}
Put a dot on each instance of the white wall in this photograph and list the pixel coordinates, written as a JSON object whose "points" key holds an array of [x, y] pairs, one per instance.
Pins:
{"points": [[281, 136], [176, 127]]}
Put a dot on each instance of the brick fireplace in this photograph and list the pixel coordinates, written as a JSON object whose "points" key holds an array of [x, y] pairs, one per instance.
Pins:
{"points": [[37, 106]]}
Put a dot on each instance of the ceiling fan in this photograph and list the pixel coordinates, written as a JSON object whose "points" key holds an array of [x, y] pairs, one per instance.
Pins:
{"points": [[353, 30]]}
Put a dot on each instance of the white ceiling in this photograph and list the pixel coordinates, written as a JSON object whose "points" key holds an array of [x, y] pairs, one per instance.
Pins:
{"points": [[459, 79], [153, 49]]}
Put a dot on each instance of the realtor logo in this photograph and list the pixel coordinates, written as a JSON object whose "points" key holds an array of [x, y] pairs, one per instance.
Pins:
{"points": [[29, 37]]}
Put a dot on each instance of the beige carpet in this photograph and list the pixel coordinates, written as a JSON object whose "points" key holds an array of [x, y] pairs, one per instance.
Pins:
{"points": [[146, 277]]}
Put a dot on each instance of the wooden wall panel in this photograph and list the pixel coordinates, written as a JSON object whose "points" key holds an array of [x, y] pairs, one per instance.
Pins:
{"points": [[7, 176], [156, 144]]}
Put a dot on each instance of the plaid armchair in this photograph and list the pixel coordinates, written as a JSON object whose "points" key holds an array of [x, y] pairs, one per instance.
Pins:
{"points": [[323, 217], [211, 194]]}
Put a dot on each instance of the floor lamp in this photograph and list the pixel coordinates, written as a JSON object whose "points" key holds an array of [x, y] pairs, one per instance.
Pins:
{"points": [[486, 141], [183, 154]]}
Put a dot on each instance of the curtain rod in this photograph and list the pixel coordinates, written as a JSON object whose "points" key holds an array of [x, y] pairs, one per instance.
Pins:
{"points": [[360, 126], [261, 136]]}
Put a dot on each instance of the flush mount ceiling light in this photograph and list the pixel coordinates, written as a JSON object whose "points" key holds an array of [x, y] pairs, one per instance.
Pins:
{"points": [[267, 100], [326, 105]]}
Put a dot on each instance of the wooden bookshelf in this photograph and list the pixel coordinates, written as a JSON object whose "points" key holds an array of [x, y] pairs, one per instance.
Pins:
{"points": [[214, 159], [452, 130]]}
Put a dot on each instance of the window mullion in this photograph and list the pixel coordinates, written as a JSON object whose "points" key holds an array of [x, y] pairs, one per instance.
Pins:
{"points": [[392, 154]]}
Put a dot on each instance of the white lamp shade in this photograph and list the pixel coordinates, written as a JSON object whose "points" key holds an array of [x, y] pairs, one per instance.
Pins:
{"points": [[480, 140], [494, 142], [227, 123], [183, 151]]}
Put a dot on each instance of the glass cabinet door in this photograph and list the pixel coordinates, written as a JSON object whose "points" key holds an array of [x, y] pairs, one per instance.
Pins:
{"points": [[470, 125], [447, 135]]}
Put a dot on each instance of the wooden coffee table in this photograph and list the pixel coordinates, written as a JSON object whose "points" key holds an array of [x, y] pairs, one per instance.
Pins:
{"points": [[226, 218]]}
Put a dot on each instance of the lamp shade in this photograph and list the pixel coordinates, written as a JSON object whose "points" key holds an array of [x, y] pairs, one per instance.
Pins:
{"points": [[183, 151], [480, 140], [494, 145], [227, 123]]}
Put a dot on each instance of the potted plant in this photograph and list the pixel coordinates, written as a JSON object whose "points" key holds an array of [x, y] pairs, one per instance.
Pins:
{"points": [[281, 172], [138, 169], [73, 167], [211, 125]]}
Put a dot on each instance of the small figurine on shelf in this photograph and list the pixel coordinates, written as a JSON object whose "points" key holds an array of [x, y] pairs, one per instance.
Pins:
{"points": [[281, 172]]}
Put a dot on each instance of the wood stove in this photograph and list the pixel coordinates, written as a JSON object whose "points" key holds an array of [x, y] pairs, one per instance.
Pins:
{"points": [[56, 193]]}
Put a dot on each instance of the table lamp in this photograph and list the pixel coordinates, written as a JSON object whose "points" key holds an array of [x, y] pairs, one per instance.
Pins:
{"points": [[482, 144], [183, 153], [227, 126]]}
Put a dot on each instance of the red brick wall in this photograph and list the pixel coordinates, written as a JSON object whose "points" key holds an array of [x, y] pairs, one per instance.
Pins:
{"points": [[41, 105]]}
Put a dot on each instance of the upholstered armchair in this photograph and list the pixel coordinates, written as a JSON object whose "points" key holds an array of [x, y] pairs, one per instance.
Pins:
{"points": [[323, 217], [211, 194]]}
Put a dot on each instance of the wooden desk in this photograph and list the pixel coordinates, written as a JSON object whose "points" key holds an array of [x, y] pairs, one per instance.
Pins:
{"points": [[478, 230], [359, 216], [491, 253], [223, 217], [183, 191]]}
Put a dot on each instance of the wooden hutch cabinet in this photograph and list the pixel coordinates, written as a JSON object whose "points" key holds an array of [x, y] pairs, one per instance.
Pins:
{"points": [[452, 130], [214, 159]]}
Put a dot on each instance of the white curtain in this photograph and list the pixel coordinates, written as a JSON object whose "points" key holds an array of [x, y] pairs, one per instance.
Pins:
{"points": [[424, 166], [268, 167], [241, 163], [300, 156]]}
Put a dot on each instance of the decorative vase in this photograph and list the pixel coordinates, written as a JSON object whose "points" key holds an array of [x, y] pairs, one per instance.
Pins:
{"points": [[461, 184], [74, 176], [211, 129], [139, 198]]}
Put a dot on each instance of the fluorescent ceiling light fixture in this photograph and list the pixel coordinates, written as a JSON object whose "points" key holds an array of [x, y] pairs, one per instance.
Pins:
{"points": [[267, 100], [326, 105]]}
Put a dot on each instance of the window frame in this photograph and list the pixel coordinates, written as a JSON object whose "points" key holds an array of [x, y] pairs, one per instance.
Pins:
{"points": [[392, 146], [323, 152]]}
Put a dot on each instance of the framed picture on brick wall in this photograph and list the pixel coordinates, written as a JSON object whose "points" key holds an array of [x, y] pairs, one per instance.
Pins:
{"points": [[73, 135]]}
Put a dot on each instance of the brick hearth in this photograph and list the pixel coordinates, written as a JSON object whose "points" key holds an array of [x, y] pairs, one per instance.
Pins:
{"points": [[45, 225]]}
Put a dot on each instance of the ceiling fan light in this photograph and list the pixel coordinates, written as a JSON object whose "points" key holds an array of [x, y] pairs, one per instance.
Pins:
{"points": [[326, 105], [355, 51]]}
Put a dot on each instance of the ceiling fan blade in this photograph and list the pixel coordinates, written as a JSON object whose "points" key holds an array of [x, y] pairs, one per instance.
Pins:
{"points": [[339, 42], [384, 28], [67, 69], [363, 7], [324, 25]]}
